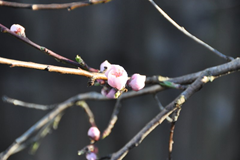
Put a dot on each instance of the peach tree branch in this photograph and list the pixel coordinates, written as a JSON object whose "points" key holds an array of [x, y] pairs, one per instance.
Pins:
{"points": [[183, 30], [157, 120], [88, 111], [56, 56], [26, 104], [68, 6], [175, 116], [206, 76], [59, 109], [51, 68]]}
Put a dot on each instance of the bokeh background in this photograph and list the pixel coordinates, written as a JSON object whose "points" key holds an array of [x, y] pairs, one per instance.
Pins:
{"points": [[134, 35]]}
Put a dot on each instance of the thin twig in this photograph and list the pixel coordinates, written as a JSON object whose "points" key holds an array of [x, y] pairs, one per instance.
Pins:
{"points": [[113, 119], [161, 107], [175, 116], [56, 56], [171, 141], [183, 30], [26, 104], [69, 6], [88, 111]]}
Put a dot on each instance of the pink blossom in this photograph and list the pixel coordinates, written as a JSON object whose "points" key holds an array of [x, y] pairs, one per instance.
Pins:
{"points": [[91, 156], [117, 77], [18, 29], [94, 133], [137, 82], [104, 66]]}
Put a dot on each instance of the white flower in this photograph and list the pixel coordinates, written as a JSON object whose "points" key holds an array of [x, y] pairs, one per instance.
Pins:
{"points": [[104, 66], [18, 29]]}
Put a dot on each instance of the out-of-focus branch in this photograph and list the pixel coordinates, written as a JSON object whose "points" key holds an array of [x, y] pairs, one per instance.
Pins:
{"points": [[50, 68], [113, 119], [69, 6], [183, 30], [26, 104], [88, 111], [24, 140], [56, 56], [161, 107], [20, 141]]}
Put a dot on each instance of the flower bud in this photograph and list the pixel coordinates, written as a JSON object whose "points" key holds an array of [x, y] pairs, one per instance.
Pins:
{"points": [[137, 82], [111, 93], [18, 29], [94, 133], [117, 77], [104, 66], [91, 156]]}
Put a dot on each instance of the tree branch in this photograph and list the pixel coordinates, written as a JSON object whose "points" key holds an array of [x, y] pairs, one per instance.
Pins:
{"points": [[26, 104], [34, 7], [56, 56], [50, 68], [206, 76], [183, 30], [46, 119]]}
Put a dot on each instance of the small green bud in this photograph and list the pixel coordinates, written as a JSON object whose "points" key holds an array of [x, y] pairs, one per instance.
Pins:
{"points": [[79, 59]]}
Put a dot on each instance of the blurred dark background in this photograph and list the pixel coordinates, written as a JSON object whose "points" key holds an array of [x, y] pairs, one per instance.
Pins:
{"points": [[134, 35]]}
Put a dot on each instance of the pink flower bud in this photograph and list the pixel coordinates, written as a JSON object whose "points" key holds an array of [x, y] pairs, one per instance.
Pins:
{"points": [[18, 29], [111, 93], [94, 133], [117, 77], [137, 82], [91, 156], [104, 66]]}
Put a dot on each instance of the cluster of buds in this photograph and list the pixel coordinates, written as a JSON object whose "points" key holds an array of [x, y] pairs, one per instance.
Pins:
{"points": [[118, 80], [94, 135], [18, 29]]}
